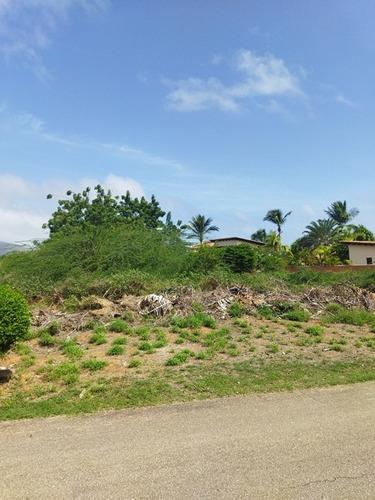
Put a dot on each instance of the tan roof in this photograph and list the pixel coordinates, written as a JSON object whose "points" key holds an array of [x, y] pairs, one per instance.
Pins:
{"points": [[364, 243], [245, 240]]}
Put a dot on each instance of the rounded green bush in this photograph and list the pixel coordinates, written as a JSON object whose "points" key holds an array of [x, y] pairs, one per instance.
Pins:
{"points": [[14, 317]]}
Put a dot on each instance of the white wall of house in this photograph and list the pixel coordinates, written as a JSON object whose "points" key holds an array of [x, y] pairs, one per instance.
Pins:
{"points": [[362, 255]]}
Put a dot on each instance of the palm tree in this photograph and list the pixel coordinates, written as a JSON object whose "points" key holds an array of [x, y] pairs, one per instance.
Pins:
{"points": [[320, 232], [259, 235], [276, 217], [199, 226], [339, 213]]}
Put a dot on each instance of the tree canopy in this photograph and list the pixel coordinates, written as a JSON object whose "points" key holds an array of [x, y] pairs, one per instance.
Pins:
{"points": [[199, 226], [339, 213], [79, 210], [277, 217]]}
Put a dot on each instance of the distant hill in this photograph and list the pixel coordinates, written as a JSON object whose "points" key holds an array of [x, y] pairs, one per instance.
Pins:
{"points": [[11, 247]]}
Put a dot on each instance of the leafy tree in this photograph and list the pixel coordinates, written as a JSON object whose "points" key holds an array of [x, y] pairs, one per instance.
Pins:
{"points": [[239, 258], [199, 226], [320, 232], [277, 217], [259, 235], [339, 213], [79, 211], [359, 232]]}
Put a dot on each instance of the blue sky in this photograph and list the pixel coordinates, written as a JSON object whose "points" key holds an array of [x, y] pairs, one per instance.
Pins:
{"points": [[224, 108]]}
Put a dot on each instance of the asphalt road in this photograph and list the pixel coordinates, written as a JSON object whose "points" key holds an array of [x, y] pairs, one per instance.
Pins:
{"points": [[313, 444]]}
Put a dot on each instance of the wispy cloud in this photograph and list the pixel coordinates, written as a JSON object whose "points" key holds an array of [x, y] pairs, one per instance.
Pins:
{"points": [[27, 27], [343, 100], [29, 124], [143, 156], [259, 77]]}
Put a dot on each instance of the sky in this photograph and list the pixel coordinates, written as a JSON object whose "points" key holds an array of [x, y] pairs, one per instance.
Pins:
{"points": [[222, 108]]}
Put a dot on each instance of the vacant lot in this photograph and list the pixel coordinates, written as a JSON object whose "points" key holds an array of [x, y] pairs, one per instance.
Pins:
{"points": [[136, 351]]}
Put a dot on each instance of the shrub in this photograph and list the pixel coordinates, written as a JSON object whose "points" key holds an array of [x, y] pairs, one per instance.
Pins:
{"points": [[93, 364], [14, 317], [70, 348], [46, 339], [239, 258], [134, 363], [120, 326], [297, 315], [179, 358], [236, 310], [120, 341], [116, 350], [334, 313], [98, 338], [315, 330]]}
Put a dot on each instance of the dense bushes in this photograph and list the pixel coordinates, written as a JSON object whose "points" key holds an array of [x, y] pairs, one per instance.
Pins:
{"points": [[239, 258], [14, 317]]}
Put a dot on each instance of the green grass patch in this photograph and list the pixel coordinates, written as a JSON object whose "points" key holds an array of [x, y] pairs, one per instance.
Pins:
{"points": [[116, 350], [196, 382], [334, 313], [94, 364]]}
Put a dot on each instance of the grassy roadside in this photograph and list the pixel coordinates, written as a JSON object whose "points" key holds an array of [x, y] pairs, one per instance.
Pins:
{"points": [[181, 384]]}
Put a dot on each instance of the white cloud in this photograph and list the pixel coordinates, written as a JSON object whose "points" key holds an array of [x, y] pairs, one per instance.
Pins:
{"points": [[119, 185], [263, 77], [27, 27], [343, 100], [24, 207]]}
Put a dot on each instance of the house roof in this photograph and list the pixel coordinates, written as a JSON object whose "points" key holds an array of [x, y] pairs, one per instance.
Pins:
{"points": [[243, 240], [363, 243]]}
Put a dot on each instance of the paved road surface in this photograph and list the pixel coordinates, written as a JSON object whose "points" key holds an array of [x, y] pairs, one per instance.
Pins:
{"points": [[313, 444]]}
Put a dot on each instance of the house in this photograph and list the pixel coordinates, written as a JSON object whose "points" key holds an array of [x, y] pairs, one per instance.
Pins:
{"points": [[234, 240], [361, 252]]}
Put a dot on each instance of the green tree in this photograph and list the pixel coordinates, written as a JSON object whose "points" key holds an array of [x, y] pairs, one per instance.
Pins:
{"points": [[259, 235], [199, 226], [277, 217], [320, 232], [339, 213], [358, 233], [78, 210], [239, 258]]}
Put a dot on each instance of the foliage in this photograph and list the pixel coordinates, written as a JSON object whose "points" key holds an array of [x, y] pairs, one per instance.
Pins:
{"points": [[334, 313], [236, 310], [202, 260], [199, 226], [259, 235], [116, 350], [339, 214], [179, 358], [94, 364], [120, 326], [14, 317], [269, 260], [277, 217], [70, 264], [46, 339], [79, 211], [240, 258], [320, 232]]}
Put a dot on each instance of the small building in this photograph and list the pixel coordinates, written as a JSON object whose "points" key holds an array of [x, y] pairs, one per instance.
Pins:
{"points": [[361, 253], [234, 240]]}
